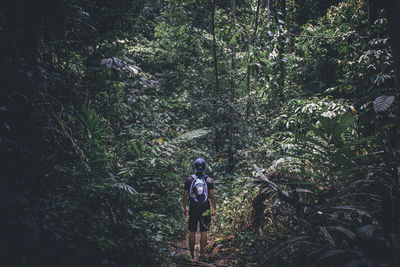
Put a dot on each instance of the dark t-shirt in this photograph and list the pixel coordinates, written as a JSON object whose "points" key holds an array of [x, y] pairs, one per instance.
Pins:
{"points": [[210, 186]]}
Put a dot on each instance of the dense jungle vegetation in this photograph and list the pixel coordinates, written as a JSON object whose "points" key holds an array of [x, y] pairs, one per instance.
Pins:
{"points": [[105, 105]]}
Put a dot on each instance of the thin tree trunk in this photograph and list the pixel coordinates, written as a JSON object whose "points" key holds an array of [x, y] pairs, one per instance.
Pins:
{"points": [[232, 92], [214, 48], [217, 132], [251, 44], [372, 12], [281, 51]]}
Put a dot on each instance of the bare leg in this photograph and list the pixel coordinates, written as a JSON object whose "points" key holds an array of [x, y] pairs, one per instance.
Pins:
{"points": [[192, 241], [203, 242]]}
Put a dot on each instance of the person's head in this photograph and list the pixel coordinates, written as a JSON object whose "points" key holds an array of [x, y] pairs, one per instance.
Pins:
{"points": [[200, 166]]}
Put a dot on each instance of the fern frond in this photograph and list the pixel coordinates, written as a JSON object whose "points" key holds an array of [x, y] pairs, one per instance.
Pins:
{"points": [[191, 135], [126, 187]]}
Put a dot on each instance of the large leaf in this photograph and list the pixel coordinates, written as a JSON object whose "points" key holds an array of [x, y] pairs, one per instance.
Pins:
{"points": [[367, 230], [113, 63], [192, 135], [382, 103], [348, 233], [316, 131], [344, 123], [327, 236], [328, 123]]}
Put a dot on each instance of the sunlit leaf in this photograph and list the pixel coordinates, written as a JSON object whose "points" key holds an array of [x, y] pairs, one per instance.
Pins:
{"points": [[191, 135], [344, 122]]}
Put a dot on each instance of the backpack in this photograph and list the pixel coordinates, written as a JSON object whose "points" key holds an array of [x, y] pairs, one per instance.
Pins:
{"points": [[198, 190]]}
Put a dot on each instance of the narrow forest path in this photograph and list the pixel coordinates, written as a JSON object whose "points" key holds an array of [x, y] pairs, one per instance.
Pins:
{"points": [[220, 252]]}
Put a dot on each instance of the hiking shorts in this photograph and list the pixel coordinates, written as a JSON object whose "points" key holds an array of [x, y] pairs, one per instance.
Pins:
{"points": [[196, 218]]}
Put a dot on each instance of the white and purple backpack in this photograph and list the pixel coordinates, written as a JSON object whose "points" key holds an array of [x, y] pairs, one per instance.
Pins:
{"points": [[199, 190]]}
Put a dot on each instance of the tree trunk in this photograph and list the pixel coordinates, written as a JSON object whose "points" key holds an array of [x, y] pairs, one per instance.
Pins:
{"points": [[214, 48], [232, 92], [372, 12], [251, 44], [217, 131], [281, 51]]}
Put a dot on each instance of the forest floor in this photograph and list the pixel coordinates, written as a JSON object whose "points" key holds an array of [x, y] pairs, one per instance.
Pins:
{"points": [[220, 252]]}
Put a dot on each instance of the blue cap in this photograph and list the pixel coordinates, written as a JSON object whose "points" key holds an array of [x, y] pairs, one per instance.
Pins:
{"points": [[200, 165]]}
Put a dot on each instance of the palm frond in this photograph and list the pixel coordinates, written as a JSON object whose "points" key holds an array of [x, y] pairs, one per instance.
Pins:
{"points": [[192, 135], [125, 187]]}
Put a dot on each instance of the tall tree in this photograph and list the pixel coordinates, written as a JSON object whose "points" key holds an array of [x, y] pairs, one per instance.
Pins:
{"points": [[281, 20], [217, 141], [232, 89], [251, 44], [214, 47]]}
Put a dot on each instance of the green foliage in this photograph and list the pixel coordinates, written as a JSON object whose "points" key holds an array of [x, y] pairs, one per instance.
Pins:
{"points": [[323, 142], [92, 142], [191, 135], [324, 153], [106, 105], [313, 192]]}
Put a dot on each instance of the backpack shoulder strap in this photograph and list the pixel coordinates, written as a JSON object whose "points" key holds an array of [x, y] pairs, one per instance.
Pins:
{"points": [[191, 185]]}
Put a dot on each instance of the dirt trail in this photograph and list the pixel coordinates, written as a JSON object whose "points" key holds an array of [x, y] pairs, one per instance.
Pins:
{"points": [[220, 252]]}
